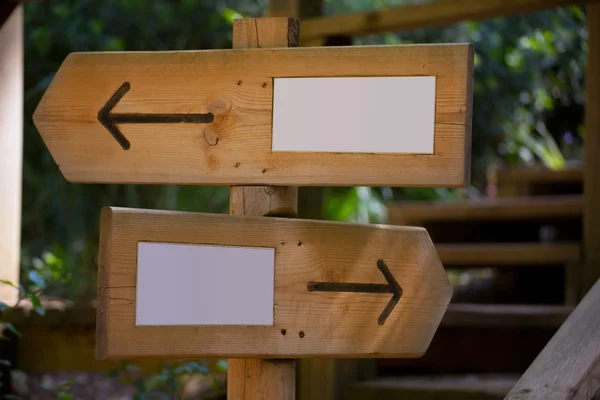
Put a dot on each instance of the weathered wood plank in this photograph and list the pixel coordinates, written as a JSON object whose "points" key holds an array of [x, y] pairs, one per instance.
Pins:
{"points": [[569, 365], [431, 14], [237, 87], [306, 324]]}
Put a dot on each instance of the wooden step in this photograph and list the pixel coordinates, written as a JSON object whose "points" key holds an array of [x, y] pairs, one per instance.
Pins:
{"points": [[508, 254], [442, 387], [489, 209], [504, 315], [524, 181], [524, 175]]}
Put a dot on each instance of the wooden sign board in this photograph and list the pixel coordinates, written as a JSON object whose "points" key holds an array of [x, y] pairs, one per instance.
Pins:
{"points": [[337, 116], [175, 284]]}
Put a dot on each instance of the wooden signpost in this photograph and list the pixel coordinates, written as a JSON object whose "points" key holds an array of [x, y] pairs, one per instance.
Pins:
{"points": [[179, 285], [335, 116], [175, 284]]}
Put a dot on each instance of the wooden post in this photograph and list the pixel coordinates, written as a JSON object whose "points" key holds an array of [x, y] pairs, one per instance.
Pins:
{"points": [[256, 379], [591, 175], [11, 149]]}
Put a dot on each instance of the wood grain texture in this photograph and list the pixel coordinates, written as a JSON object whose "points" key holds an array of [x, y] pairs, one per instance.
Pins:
{"points": [[307, 324], [11, 149], [257, 33], [256, 379], [237, 86], [431, 14], [569, 365], [280, 201], [252, 378], [490, 209], [591, 185]]}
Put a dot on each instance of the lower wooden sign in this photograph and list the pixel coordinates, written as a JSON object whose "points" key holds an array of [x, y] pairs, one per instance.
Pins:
{"points": [[180, 285]]}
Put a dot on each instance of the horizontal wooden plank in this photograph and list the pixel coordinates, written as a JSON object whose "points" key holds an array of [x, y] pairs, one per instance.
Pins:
{"points": [[503, 315], [523, 175], [569, 365], [507, 254], [536, 181], [307, 322], [435, 387], [427, 15], [489, 209], [229, 96]]}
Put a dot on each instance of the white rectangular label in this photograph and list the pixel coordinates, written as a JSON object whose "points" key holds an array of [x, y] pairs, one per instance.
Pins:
{"points": [[182, 284], [354, 115]]}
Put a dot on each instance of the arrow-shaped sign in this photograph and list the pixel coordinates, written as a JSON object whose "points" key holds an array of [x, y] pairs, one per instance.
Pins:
{"points": [[245, 279], [391, 287], [275, 112], [110, 120]]}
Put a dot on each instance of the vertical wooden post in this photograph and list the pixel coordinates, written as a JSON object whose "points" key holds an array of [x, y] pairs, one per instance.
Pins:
{"points": [[591, 176], [318, 378], [11, 149], [255, 379]]}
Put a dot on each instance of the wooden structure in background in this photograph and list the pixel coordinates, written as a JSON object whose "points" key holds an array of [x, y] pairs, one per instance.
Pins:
{"points": [[427, 15], [324, 379], [536, 181], [11, 145], [569, 366]]}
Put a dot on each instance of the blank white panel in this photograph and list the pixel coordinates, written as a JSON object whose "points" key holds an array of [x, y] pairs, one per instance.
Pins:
{"points": [[354, 115], [181, 284]]}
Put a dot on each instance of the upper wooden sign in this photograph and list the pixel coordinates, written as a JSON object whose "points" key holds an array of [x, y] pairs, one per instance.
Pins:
{"points": [[176, 284], [335, 116]]}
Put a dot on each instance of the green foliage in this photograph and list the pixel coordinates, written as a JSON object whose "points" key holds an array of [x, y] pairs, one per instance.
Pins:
{"points": [[167, 384], [529, 82], [61, 220]]}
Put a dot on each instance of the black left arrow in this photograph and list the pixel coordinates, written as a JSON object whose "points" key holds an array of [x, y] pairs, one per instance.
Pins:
{"points": [[110, 120], [392, 286]]}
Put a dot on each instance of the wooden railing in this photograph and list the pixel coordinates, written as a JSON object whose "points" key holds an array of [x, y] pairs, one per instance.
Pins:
{"points": [[569, 365]]}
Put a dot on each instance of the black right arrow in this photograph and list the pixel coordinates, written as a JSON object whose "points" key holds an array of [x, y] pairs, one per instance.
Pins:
{"points": [[110, 120], [391, 287]]}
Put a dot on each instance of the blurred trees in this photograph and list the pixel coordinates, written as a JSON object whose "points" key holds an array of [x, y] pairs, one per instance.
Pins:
{"points": [[528, 105]]}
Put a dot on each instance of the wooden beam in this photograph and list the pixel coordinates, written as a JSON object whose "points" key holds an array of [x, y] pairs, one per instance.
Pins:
{"points": [[510, 208], [507, 254], [437, 13], [569, 365], [11, 149], [504, 315], [248, 378], [591, 185]]}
